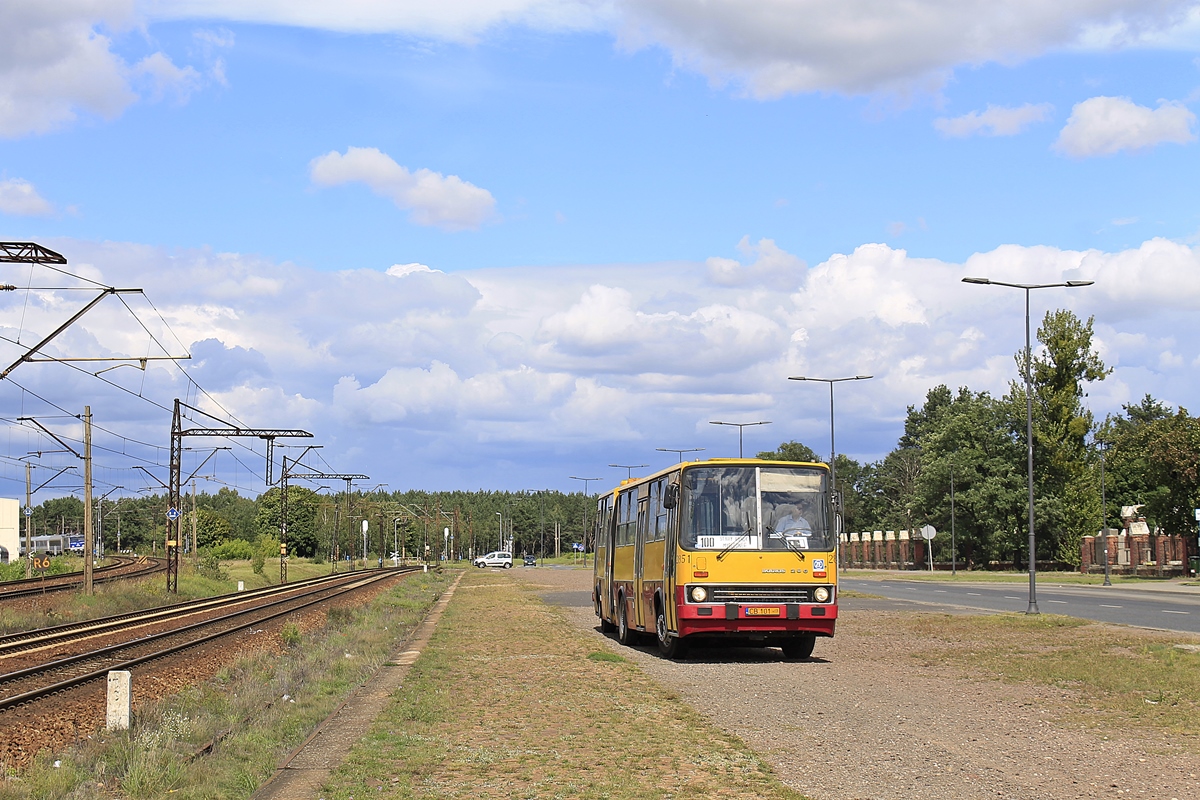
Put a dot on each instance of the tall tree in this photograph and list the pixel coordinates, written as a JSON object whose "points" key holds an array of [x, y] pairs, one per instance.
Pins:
{"points": [[1173, 456], [1066, 507], [302, 513], [969, 442], [792, 451]]}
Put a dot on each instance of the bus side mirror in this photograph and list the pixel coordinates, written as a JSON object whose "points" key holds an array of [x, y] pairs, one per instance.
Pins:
{"points": [[671, 497]]}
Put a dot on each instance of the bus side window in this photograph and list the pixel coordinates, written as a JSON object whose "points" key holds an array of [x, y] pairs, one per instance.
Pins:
{"points": [[626, 519]]}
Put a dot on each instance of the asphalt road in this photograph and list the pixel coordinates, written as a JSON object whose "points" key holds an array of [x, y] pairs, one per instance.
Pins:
{"points": [[1173, 608]]}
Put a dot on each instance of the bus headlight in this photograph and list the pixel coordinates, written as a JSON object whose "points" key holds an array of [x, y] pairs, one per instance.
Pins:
{"points": [[821, 594], [699, 594]]}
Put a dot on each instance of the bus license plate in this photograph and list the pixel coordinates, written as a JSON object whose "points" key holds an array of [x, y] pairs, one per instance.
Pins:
{"points": [[762, 612]]}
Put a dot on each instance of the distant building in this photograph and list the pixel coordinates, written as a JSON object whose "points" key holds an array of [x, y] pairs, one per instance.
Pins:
{"points": [[10, 528]]}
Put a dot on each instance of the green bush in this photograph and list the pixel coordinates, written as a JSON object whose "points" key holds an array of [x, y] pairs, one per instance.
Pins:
{"points": [[234, 550], [210, 567], [290, 634]]}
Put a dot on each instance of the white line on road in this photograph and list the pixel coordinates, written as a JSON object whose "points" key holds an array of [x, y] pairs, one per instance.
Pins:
{"points": [[974, 594], [1010, 597], [940, 591], [1175, 612], [1064, 602], [1104, 606]]}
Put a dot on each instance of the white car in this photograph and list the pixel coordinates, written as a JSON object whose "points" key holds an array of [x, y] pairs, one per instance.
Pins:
{"points": [[496, 559]]}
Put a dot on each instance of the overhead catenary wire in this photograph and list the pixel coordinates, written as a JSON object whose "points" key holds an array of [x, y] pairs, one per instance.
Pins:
{"points": [[154, 340]]}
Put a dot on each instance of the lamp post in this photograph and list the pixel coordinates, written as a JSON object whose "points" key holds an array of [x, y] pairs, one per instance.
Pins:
{"points": [[1033, 607], [953, 538], [1104, 514], [583, 523], [500, 546], [739, 426], [680, 452], [586, 481], [629, 467], [832, 446]]}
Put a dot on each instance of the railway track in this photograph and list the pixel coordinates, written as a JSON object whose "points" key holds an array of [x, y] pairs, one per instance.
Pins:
{"points": [[123, 568], [37, 664]]}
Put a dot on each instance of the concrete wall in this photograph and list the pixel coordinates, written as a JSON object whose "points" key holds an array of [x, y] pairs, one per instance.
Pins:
{"points": [[10, 530]]}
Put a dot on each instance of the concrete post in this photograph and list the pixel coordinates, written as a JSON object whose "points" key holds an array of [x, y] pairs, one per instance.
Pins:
{"points": [[120, 700]]}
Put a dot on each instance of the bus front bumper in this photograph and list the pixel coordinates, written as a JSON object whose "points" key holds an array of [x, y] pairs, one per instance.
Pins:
{"points": [[720, 619]]}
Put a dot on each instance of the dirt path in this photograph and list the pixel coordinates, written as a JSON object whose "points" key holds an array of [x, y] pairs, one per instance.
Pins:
{"points": [[864, 719]]}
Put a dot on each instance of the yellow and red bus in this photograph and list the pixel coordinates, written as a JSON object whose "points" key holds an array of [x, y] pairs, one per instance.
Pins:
{"points": [[742, 551]]}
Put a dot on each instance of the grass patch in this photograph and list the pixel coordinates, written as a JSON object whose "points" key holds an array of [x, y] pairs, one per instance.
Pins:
{"points": [[298, 570], [510, 700], [1134, 678], [224, 738]]}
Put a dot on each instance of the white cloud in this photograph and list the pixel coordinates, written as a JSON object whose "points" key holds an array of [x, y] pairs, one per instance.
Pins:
{"points": [[993, 121], [770, 266], [446, 202], [161, 78], [778, 47], [555, 368], [1102, 126], [57, 62], [400, 270], [770, 47], [455, 20], [19, 197]]}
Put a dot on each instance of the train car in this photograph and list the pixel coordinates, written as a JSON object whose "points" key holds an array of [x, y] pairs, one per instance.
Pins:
{"points": [[740, 551], [54, 544]]}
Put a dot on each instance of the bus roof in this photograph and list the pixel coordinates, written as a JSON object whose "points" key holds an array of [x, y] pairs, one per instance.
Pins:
{"points": [[627, 482]]}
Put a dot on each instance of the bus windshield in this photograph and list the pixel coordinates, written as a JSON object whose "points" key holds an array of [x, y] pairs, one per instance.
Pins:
{"points": [[755, 508]]}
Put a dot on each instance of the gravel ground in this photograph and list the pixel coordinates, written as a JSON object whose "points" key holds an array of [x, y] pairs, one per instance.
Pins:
{"points": [[861, 720]]}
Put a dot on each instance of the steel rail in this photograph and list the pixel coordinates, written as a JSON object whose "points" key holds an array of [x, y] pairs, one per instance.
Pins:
{"points": [[70, 631], [119, 562], [69, 683], [71, 580]]}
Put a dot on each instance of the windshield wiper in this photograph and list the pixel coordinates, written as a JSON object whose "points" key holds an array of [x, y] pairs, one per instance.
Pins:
{"points": [[799, 553], [734, 543], [768, 530]]}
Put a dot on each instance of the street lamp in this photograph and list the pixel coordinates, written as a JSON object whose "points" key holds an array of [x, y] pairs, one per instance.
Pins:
{"points": [[586, 481], [1033, 608], [739, 426], [500, 546], [832, 448], [1104, 514], [629, 469], [680, 452]]}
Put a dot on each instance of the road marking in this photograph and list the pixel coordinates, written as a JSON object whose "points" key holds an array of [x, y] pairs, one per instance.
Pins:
{"points": [[974, 594], [1104, 606], [940, 591], [1064, 602], [1010, 597], [1175, 612]]}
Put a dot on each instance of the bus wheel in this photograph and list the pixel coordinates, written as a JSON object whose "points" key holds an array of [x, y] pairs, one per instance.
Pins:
{"points": [[668, 646], [624, 635], [799, 648]]}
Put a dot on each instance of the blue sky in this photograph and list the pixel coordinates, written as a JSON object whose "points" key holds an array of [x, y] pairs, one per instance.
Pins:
{"points": [[620, 220]]}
